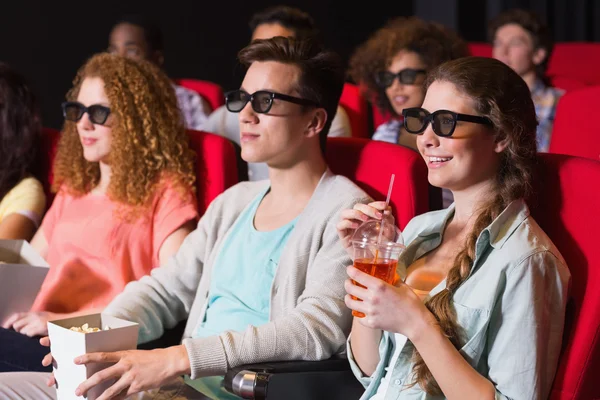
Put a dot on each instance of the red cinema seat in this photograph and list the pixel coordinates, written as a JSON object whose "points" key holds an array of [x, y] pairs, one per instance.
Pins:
{"points": [[370, 164], [565, 205], [216, 166], [211, 92], [576, 60], [357, 108], [575, 131]]}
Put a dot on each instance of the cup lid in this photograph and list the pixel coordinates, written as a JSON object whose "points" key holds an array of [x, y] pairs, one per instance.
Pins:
{"points": [[368, 234]]}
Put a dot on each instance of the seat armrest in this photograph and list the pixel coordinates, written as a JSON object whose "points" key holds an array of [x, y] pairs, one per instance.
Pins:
{"points": [[291, 378]]}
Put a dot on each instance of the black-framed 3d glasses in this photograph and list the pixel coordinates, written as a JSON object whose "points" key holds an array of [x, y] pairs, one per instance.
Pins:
{"points": [[443, 122], [73, 111], [261, 101], [407, 76]]}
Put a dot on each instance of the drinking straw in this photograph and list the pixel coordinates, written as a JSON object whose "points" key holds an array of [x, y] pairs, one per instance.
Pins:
{"points": [[387, 202]]}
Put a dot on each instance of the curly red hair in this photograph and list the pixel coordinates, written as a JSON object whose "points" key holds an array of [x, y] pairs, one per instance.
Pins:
{"points": [[149, 138]]}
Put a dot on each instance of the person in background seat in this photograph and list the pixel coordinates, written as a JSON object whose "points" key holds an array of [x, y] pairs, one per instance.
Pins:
{"points": [[139, 38], [392, 65], [22, 198], [521, 40]]}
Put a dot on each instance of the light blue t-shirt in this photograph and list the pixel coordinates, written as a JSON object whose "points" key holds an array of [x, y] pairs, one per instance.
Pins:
{"points": [[240, 288]]}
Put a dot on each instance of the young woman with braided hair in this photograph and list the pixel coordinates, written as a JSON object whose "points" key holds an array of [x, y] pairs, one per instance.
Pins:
{"points": [[479, 310]]}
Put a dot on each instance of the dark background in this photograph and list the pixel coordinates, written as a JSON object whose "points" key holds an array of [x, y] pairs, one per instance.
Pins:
{"points": [[48, 40]]}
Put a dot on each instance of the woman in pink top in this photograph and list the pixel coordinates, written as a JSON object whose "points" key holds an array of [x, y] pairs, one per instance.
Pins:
{"points": [[124, 177]]}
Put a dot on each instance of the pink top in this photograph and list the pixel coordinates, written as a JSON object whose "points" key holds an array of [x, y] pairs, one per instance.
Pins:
{"points": [[93, 253]]}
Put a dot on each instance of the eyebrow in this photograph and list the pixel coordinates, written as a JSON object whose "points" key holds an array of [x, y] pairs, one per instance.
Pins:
{"points": [[513, 37], [293, 93], [101, 103], [259, 90]]}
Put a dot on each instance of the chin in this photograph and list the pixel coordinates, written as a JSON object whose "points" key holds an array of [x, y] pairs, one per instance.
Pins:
{"points": [[91, 159], [439, 182], [440, 185], [449, 183], [252, 157], [94, 158], [398, 111]]}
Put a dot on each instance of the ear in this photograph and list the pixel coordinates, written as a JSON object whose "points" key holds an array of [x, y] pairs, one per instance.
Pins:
{"points": [[317, 123], [539, 55], [501, 145]]}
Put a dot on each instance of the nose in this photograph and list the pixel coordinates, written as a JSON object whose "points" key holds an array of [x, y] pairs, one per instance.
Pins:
{"points": [[248, 115], [428, 139], [121, 51], [84, 123]]}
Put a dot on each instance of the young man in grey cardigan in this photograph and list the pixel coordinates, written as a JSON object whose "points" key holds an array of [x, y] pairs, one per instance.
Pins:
{"points": [[262, 276]]}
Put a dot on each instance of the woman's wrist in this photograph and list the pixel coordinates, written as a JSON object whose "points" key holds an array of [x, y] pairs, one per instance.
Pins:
{"points": [[423, 327]]}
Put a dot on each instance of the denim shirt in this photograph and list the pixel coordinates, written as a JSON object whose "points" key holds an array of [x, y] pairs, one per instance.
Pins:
{"points": [[511, 308], [388, 131], [545, 99]]}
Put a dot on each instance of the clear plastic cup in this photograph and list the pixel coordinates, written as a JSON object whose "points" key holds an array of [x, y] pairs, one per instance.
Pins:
{"points": [[377, 254]]}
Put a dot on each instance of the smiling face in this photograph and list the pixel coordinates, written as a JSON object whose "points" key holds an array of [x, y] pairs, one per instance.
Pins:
{"points": [[401, 95], [95, 139], [279, 137], [470, 157]]}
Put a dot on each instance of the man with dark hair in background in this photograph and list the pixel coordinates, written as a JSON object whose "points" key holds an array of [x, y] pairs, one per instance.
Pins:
{"points": [[283, 21], [274, 21]]}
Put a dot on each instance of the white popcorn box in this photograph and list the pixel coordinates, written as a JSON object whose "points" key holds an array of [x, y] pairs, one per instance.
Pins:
{"points": [[22, 272], [67, 344]]}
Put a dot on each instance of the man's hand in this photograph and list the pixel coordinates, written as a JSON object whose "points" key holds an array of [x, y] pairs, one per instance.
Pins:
{"points": [[135, 370]]}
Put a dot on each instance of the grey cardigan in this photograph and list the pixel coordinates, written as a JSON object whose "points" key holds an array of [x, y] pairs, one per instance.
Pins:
{"points": [[308, 318]]}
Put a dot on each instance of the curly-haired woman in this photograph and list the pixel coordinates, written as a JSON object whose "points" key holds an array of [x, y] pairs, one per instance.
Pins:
{"points": [[392, 64], [125, 203], [22, 199]]}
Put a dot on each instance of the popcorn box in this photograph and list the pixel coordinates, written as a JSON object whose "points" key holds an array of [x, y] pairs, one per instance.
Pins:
{"points": [[66, 345], [22, 272]]}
